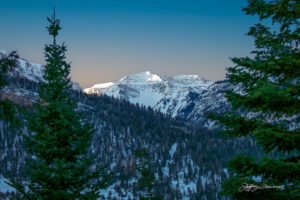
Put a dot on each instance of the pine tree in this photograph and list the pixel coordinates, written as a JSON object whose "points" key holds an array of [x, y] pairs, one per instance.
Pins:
{"points": [[60, 168], [146, 181], [269, 105]]}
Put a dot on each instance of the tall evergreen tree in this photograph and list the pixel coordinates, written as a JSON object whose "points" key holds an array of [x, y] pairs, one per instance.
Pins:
{"points": [[60, 168], [270, 105]]}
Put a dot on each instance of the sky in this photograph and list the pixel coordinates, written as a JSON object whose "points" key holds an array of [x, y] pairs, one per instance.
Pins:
{"points": [[109, 39]]}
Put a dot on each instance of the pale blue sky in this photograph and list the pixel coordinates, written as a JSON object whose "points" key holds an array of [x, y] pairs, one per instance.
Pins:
{"points": [[108, 39]]}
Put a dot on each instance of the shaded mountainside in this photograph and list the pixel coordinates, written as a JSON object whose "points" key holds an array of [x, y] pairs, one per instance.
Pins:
{"points": [[30, 71], [189, 162], [187, 97]]}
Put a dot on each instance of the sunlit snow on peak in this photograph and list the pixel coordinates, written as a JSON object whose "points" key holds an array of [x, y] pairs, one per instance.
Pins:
{"points": [[146, 76], [141, 78], [103, 85]]}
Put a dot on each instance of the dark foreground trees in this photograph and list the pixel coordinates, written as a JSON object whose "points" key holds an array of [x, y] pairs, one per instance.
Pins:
{"points": [[60, 168], [270, 103]]}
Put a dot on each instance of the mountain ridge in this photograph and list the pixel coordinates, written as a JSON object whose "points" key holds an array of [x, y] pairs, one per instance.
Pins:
{"points": [[189, 162], [31, 71], [188, 97]]}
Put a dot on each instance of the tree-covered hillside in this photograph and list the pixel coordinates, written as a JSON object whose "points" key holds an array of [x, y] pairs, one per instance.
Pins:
{"points": [[188, 161]]}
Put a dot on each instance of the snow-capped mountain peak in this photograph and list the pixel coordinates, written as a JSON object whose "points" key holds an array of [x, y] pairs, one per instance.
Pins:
{"points": [[187, 96], [150, 77], [142, 78]]}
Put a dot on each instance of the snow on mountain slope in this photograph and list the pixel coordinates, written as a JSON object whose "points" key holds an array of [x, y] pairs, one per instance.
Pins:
{"points": [[151, 90], [185, 96], [99, 87], [4, 187], [188, 97], [31, 71]]}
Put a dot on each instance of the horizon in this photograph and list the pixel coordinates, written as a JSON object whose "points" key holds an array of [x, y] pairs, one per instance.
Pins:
{"points": [[109, 40]]}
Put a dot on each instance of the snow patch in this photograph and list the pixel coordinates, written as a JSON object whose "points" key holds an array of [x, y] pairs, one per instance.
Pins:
{"points": [[173, 149], [4, 187]]}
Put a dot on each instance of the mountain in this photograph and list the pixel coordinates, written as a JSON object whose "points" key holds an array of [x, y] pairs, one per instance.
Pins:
{"points": [[31, 71], [189, 162], [188, 97]]}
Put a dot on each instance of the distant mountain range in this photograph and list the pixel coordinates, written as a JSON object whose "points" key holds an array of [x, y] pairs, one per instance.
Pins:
{"points": [[189, 162], [188, 97]]}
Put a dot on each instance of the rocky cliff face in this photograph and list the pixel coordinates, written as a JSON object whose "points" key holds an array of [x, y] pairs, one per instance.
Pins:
{"points": [[19, 96]]}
